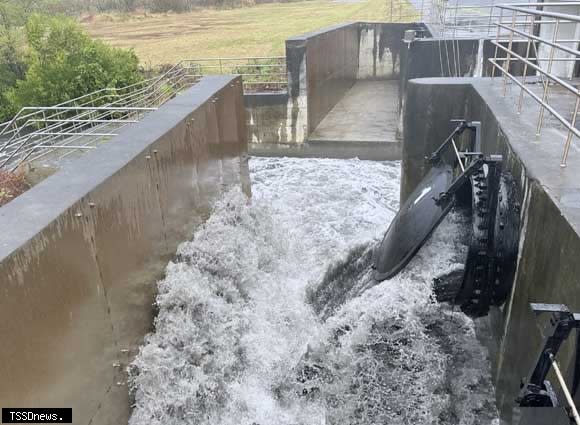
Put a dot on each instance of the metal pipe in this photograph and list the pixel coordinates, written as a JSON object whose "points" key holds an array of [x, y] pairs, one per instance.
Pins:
{"points": [[507, 62], [558, 16], [65, 147], [497, 45], [544, 41], [86, 121], [521, 97], [86, 108], [541, 59], [86, 117], [458, 156], [564, 161], [565, 390], [547, 85], [534, 96], [558, 80]]}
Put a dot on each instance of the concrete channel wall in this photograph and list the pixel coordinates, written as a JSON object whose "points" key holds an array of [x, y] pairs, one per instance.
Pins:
{"points": [[331, 57], [548, 267], [432, 57], [81, 252], [322, 66]]}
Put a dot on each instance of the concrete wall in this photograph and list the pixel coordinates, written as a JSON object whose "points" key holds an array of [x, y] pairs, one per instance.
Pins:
{"points": [[380, 48], [548, 269], [322, 66], [427, 57], [81, 252], [267, 118], [331, 68]]}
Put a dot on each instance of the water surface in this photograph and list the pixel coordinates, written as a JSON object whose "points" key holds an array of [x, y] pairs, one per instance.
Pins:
{"points": [[268, 316]]}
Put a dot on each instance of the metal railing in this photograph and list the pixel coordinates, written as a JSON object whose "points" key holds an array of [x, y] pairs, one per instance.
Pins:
{"points": [[451, 18], [456, 20], [559, 49], [260, 74], [81, 124], [84, 122]]}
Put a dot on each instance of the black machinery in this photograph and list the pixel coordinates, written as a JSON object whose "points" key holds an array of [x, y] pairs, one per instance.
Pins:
{"points": [[461, 174], [537, 393]]}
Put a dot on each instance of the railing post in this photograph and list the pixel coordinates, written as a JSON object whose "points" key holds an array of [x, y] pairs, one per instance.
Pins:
{"points": [[547, 84], [490, 23], [508, 59], [521, 98], [500, 21], [508, 56], [444, 20], [455, 19], [570, 134]]}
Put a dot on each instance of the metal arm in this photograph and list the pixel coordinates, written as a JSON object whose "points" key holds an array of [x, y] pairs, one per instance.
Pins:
{"points": [[475, 164], [462, 125], [537, 391]]}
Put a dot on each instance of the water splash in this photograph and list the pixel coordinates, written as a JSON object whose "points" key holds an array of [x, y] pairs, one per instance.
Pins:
{"points": [[268, 315]]}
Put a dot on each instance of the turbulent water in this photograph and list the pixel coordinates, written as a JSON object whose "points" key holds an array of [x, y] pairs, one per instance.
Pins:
{"points": [[268, 316]]}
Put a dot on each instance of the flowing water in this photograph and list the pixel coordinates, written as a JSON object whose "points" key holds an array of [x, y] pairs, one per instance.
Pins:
{"points": [[269, 316]]}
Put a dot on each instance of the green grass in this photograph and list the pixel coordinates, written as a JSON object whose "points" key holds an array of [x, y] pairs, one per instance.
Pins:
{"points": [[249, 31]]}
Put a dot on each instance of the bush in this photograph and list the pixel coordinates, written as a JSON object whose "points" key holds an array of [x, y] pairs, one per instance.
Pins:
{"points": [[63, 63], [76, 7], [158, 6], [12, 45]]}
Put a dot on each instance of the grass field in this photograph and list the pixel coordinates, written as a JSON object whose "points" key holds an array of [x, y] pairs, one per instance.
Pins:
{"points": [[250, 31]]}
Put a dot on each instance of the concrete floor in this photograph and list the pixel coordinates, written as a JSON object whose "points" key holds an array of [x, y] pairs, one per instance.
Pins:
{"points": [[542, 154], [368, 113]]}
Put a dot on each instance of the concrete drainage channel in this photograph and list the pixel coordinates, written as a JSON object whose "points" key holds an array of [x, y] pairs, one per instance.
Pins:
{"points": [[149, 282], [270, 314]]}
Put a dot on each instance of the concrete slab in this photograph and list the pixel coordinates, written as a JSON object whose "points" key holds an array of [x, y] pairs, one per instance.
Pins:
{"points": [[368, 113]]}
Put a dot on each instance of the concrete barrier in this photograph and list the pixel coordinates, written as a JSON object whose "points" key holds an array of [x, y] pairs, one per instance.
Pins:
{"points": [[463, 57], [81, 252], [322, 66], [331, 68], [548, 269]]}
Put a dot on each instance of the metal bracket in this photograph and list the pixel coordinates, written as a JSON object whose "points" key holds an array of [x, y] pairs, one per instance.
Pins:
{"points": [[537, 391], [462, 125], [478, 160]]}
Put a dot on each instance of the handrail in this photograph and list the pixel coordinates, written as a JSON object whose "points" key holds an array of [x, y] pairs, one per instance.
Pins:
{"points": [[543, 66], [459, 21], [560, 16], [82, 122]]}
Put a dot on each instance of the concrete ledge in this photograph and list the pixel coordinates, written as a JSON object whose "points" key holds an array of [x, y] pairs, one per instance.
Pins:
{"points": [[316, 33], [331, 149]]}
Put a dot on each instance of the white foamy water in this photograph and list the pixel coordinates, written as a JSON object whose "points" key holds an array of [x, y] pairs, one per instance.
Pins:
{"points": [[268, 316]]}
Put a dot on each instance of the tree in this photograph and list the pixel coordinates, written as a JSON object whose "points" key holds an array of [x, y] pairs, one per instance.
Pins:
{"points": [[63, 63], [13, 15]]}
